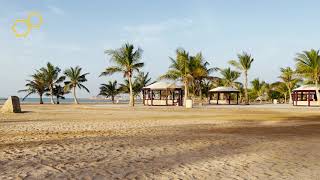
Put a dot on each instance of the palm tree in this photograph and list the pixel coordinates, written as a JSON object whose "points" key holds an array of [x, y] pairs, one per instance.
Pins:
{"points": [[199, 71], [58, 92], [180, 70], [243, 64], [259, 88], [289, 79], [35, 86], [109, 90], [308, 65], [142, 80], [126, 60], [76, 79], [52, 78], [229, 77], [282, 88]]}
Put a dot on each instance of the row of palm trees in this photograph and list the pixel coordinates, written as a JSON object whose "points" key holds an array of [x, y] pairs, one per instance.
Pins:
{"points": [[47, 81], [191, 70]]}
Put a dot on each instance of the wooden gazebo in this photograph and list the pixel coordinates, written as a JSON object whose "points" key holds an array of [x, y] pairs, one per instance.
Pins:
{"points": [[305, 96], [226, 93], [163, 94]]}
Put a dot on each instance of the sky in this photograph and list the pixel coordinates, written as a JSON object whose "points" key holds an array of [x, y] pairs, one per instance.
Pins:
{"points": [[77, 32]]}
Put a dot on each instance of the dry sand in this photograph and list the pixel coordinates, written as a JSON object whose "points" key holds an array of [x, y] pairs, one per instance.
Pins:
{"points": [[117, 142]]}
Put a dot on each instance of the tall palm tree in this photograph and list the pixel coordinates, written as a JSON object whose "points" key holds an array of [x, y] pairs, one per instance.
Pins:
{"points": [[244, 64], [126, 60], [308, 65], [229, 77], [35, 86], [76, 79], [180, 70], [52, 78], [289, 79], [199, 71], [109, 90]]}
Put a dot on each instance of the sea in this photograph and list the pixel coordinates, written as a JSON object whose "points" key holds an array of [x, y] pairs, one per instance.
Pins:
{"points": [[66, 101]]}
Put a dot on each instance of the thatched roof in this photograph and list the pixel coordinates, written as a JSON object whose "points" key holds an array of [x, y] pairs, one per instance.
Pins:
{"points": [[224, 89], [162, 85], [310, 87]]}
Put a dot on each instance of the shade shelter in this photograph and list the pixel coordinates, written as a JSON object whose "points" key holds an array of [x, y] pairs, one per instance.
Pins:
{"points": [[223, 95], [305, 96], [162, 94]]}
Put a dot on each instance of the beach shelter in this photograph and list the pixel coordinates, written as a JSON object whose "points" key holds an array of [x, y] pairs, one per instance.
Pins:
{"points": [[305, 96], [223, 95], [163, 94]]}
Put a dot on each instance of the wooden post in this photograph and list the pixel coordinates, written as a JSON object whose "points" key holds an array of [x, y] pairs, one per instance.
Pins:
{"points": [[218, 98], [167, 97], [174, 91], [308, 98], [237, 98], [151, 97], [143, 96], [209, 97], [229, 98]]}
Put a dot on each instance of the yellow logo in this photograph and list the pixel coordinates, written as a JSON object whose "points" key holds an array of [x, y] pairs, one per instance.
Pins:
{"points": [[28, 23]]}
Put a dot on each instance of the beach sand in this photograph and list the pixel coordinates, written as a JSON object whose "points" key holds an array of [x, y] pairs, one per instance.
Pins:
{"points": [[118, 142]]}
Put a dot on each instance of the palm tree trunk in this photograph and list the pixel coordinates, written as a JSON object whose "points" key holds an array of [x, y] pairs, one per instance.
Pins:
{"points": [[290, 97], [41, 100], [112, 98], [246, 87], [186, 91], [200, 93], [285, 98], [131, 102], [75, 96], [58, 102], [51, 95]]}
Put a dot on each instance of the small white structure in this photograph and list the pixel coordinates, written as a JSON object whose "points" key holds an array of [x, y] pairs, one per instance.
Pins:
{"points": [[305, 96], [226, 93], [163, 94]]}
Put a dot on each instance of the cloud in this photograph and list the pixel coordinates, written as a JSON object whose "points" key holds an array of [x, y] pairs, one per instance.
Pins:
{"points": [[56, 10]]}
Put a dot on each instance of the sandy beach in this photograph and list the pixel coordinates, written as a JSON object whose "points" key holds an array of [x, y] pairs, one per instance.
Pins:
{"points": [[118, 142]]}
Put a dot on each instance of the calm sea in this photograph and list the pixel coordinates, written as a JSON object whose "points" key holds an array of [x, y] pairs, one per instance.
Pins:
{"points": [[66, 101]]}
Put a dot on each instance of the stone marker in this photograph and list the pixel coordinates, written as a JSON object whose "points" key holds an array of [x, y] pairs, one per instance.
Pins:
{"points": [[12, 105]]}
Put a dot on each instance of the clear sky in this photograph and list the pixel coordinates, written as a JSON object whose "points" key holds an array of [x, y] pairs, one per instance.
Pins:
{"points": [[76, 32]]}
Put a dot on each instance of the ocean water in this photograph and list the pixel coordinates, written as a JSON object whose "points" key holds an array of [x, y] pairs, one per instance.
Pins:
{"points": [[65, 101]]}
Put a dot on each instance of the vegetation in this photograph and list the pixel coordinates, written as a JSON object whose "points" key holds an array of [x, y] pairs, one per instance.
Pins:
{"points": [[180, 70], [290, 80], [308, 66], [126, 60], [244, 64], [110, 90], [229, 77], [76, 79], [59, 92], [193, 71], [259, 90], [35, 86], [51, 76]]}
